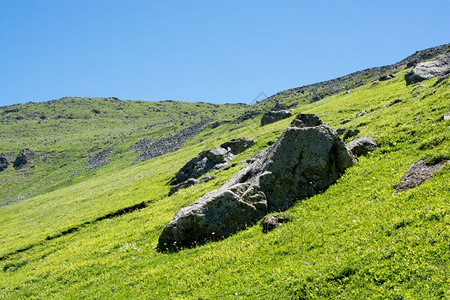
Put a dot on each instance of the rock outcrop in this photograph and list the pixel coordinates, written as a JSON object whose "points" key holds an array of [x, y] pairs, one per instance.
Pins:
{"points": [[307, 158], [4, 162], [429, 69], [211, 160], [99, 159], [362, 146], [275, 116], [418, 173], [350, 133], [24, 158]]}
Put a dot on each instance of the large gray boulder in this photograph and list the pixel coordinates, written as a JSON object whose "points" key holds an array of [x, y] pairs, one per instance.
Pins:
{"points": [[307, 158], [211, 160], [429, 69], [275, 116]]}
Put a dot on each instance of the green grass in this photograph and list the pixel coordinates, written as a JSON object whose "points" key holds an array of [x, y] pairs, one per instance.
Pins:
{"points": [[356, 240]]}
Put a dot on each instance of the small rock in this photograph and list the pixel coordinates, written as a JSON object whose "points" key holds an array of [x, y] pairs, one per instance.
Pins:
{"points": [[398, 100], [341, 130], [272, 222], [417, 174], [183, 185], [350, 133], [345, 121], [385, 77], [361, 113], [362, 146], [446, 117], [375, 83], [24, 158], [274, 116]]}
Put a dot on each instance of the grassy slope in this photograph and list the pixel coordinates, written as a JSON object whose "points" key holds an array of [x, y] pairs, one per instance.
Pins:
{"points": [[356, 240], [66, 132]]}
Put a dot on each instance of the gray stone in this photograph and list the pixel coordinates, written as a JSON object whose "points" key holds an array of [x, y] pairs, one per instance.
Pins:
{"points": [[206, 178], [272, 222], [418, 173], [350, 133], [429, 69], [395, 101], [274, 116], [361, 113], [345, 121], [24, 158], [446, 117], [183, 185], [211, 160], [362, 146], [341, 130], [307, 158]]}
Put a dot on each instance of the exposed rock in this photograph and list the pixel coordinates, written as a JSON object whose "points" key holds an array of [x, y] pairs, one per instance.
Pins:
{"points": [[442, 78], [429, 69], [386, 77], [4, 162], [395, 101], [350, 133], [99, 159], [341, 130], [417, 174], [345, 121], [272, 222], [149, 149], [274, 116], [246, 116], [188, 183], [278, 107], [361, 113], [211, 160], [446, 117], [183, 185], [362, 146], [307, 158], [24, 158]]}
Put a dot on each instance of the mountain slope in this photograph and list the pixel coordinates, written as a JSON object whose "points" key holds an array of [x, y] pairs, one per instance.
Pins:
{"points": [[356, 240]]}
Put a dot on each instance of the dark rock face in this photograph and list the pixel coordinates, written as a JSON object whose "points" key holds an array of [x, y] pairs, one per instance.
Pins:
{"points": [[274, 116], [24, 158], [211, 160], [350, 133], [4, 162], [307, 158], [272, 222], [362, 146], [183, 185], [429, 69], [417, 174], [395, 101], [341, 130], [100, 158]]}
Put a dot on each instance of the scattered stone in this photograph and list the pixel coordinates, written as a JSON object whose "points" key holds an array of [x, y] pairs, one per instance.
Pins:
{"points": [[341, 130], [99, 159], [362, 146], [307, 158], [429, 69], [386, 77], [350, 133], [446, 117], [375, 83], [274, 116], [395, 101], [4, 162], [24, 158], [361, 113], [278, 107], [148, 148], [345, 121], [211, 160], [246, 116], [272, 222], [442, 78], [417, 174], [183, 185]]}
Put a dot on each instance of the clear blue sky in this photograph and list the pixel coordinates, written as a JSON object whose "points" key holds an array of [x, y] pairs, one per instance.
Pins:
{"points": [[212, 51]]}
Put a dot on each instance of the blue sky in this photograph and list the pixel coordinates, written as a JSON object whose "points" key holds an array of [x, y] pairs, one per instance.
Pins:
{"points": [[212, 51]]}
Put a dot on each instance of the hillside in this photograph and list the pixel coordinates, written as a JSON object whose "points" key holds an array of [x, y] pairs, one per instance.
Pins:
{"points": [[78, 227]]}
